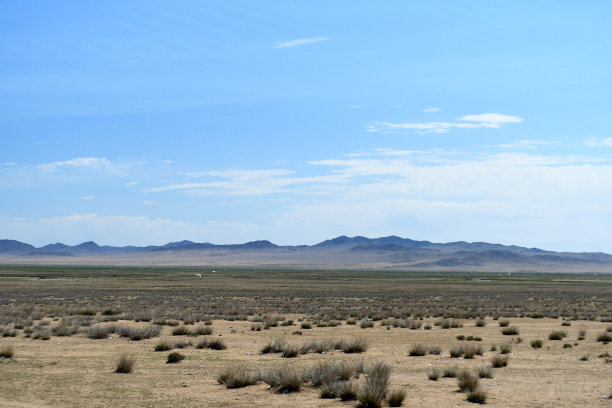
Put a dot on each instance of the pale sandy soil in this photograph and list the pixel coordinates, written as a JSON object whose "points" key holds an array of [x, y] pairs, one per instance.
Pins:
{"points": [[77, 371]]}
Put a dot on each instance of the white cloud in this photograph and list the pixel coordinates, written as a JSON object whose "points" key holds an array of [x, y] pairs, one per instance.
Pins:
{"points": [[89, 197], [432, 110], [89, 162], [597, 142], [250, 182], [299, 42], [131, 183], [492, 118], [526, 144], [9, 163], [355, 107], [484, 120]]}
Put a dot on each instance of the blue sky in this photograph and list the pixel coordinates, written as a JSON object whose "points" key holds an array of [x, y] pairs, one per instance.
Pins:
{"points": [[145, 122]]}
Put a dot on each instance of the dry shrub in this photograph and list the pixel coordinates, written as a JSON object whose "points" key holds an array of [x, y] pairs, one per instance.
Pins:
{"points": [[499, 361], [7, 351], [354, 346], [175, 357], [433, 374], [557, 335], [477, 396], [396, 398], [467, 380], [237, 377], [418, 350], [125, 364], [510, 331], [285, 379], [374, 389]]}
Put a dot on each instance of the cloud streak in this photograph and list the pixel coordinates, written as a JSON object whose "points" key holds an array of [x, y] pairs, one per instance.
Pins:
{"points": [[80, 162], [484, 120], [299, 42]]}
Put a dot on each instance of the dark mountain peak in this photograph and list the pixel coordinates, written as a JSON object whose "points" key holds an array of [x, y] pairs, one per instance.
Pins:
{"points": [[13, 246], [259, 244], [177, 244], [343, 240], [87, 245]]}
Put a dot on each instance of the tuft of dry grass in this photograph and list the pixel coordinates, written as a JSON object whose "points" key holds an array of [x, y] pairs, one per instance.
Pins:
{"points": [[236, 377], [499, 361], [396, 398], [477, 396], [175, 357], [467, 380], [557, 335], [125, 364], [7, 351]]}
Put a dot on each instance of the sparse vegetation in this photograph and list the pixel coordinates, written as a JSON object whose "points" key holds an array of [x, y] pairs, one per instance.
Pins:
{"points": [[536, 344], [237, 377], [125, 364], [557, 335], [175, 357], [499, 361], [7, 351]]}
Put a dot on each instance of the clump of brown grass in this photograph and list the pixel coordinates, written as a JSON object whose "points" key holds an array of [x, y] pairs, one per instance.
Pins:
{"points": [[175, 357], [7, 351], [236, 377], [557, 335], [499, 361], [396, 397], [478, 396], [125, 364]]}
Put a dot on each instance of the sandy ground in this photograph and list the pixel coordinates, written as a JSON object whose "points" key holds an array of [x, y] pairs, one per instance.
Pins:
{"points": [[77, 371]]}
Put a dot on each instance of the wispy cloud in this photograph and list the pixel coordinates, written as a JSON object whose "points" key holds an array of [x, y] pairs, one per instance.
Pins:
{"points": [[526, 144], [597, 142], [299, 42], [249, 182], [9, 163], [484, 120], [89, 197], [432, 110], [90, 162]]}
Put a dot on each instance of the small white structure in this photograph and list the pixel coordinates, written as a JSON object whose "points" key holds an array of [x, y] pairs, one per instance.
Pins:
{"points": [[198, 275]]}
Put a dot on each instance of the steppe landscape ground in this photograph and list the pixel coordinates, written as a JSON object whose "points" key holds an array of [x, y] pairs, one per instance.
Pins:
{"points": [[63, 329]]}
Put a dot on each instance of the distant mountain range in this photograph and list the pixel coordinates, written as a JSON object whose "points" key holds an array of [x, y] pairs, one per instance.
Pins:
{"points": [[390, 252]]}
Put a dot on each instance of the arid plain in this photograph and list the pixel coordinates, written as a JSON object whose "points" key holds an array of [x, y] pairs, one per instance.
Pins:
{"points": [[68, 326]]}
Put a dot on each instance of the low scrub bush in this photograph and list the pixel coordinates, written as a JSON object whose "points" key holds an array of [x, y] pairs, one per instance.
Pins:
{"points": [[137, 333], [284, 379], [418, 350], [536, 343], [125, 364], [557, 335], [237, 377], [477, 396], [396, 398], [175, 357], [604, 337], [467, 380], [163, 345], [433, 374], [510, 331], [484, 372], [7, 351], [503, 322], [450, 372], [499, 361], [354, 346]]}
